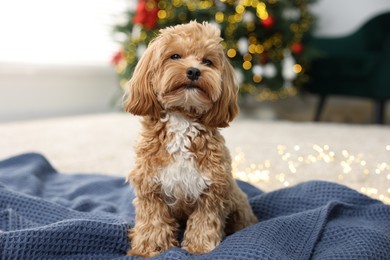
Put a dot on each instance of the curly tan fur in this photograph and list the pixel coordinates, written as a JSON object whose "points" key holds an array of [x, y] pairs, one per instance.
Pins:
{"points": [[182, 172]]}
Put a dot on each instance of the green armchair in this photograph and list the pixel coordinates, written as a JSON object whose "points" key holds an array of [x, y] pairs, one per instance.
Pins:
{"points": [[355, 65]]}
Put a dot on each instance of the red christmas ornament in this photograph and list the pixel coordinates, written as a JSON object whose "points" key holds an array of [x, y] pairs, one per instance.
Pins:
{"points": [[297, 48], [146, 13], [118, 56], [268, 22], [264, 58]]}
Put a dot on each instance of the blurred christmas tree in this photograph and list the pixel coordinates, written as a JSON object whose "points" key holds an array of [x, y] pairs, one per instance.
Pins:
{"points": [[265, 39]]}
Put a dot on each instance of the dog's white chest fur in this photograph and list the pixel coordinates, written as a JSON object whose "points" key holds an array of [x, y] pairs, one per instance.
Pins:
{"points": [[181, 179]]}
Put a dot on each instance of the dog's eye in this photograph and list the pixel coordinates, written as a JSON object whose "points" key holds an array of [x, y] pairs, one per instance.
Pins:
{"points": [[207, 62], [175, 56]]}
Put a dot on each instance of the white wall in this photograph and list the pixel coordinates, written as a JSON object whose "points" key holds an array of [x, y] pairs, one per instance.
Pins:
{"points": [[59, 31], [55, 57], [28, 92]]}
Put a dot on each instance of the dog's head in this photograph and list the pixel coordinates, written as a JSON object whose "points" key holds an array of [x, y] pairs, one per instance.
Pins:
{"points": [[185, 69]]}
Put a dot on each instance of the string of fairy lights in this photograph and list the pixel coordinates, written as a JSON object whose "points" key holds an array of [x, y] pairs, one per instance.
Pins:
{"points": [[264, 39], [317, 162]]}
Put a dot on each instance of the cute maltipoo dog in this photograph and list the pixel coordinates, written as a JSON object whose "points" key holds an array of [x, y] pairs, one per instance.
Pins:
{"points": [[185, 89]]}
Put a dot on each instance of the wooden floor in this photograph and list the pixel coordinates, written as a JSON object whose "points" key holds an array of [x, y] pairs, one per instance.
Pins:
{"points": [[302, 108]]}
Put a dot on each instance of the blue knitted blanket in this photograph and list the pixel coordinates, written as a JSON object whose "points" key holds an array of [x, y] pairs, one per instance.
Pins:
{"points": [[48, 215]]}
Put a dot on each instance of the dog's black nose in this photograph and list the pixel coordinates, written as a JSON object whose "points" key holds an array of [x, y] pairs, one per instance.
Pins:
{"points": [[193, 73]]}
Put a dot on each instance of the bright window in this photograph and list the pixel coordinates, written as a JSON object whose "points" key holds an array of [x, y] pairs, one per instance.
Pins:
{"points": [[59, 31]]}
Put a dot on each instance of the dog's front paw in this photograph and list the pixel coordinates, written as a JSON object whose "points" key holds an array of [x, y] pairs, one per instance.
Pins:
{"points": [[149, 249], [144, 251], [198, 249], [156, 243], [135, 252], [200, 244]]}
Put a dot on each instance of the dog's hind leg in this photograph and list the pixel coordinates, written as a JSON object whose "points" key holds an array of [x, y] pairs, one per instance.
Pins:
{"points": [[241, 215]]}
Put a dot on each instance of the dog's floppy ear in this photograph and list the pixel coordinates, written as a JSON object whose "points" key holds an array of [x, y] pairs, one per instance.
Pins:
{"points": [[225, 108], [140, 98]]}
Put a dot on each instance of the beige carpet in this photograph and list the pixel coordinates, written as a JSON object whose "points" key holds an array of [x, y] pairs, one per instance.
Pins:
{"points": [[270, 154]]}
